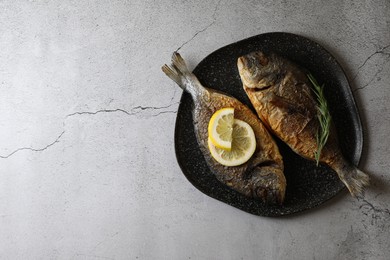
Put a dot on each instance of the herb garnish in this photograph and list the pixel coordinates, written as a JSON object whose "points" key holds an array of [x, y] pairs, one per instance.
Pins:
{"points": [[324, 117]]}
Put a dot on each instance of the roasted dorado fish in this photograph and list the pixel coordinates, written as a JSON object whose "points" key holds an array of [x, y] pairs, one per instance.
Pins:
{"points": [[282, 97], [262, 176]]}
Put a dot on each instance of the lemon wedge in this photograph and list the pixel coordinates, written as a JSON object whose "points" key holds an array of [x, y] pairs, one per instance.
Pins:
{"points": [[220, 128], [242, 148]]}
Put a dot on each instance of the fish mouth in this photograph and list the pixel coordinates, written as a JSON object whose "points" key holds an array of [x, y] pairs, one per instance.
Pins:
{"points": [[259, 88], [243, 63], [250, 69], [253, 60], [248, 64]]}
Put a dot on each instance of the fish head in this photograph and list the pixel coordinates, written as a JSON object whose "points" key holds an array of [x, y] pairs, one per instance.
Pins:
{"points": [[269, 184], [257, 70]]}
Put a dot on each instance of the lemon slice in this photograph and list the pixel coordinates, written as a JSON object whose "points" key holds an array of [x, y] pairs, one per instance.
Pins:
{"points": [[242, 149], [221, 128]]}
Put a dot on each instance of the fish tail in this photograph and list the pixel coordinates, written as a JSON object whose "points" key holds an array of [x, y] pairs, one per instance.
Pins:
{"points": [[173, 74], [179, 63], [179, 73], [353, 178]]}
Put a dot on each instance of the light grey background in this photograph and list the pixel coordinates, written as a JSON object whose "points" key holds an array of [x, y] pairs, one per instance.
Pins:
{"points": [[87, 163]]}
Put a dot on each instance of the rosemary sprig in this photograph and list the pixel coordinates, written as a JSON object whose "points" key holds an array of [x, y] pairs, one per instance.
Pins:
{"points": [[324, 117]]}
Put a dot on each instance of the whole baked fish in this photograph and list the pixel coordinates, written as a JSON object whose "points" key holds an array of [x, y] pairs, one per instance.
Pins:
{"points": [[260, 177], [281, 95]]}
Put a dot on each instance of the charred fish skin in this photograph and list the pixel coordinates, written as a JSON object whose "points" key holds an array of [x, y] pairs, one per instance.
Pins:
{"points": [[281, 94], [262, 176]]}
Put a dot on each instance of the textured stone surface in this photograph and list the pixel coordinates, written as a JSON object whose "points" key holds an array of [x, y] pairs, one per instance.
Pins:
{"points": [[88, 169]]}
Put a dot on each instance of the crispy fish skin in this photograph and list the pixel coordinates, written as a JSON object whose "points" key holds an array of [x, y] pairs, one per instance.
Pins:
{"points": [[262, 176], [281, 95]]}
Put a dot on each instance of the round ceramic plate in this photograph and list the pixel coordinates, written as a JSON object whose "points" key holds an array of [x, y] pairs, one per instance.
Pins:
{"points": [[307, 185]]}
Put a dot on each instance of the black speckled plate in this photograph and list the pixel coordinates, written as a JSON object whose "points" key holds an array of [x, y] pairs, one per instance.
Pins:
{"points": [[307, 185]]}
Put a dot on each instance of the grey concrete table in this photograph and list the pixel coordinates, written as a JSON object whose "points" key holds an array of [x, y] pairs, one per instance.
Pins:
{"points": [[87, 163]]}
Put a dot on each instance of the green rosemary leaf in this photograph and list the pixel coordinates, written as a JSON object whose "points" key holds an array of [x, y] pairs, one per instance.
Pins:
{"points": [[324, 117]]}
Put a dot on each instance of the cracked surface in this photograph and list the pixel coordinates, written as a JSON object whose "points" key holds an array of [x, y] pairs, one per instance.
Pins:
{"points": [[34, 149], [134, 111], [214, 19], [87, 160], [384, 59]]}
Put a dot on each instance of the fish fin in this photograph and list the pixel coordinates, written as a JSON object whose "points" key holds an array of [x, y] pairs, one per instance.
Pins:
{"points": [[172, 73], [179, 72], [301, 115], [179, 63], [354, 179], [288, 106]]}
